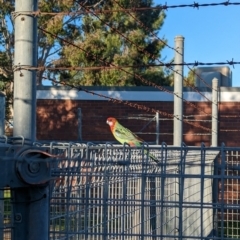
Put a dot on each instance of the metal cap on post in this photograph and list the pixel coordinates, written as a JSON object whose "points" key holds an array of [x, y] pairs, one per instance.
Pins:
{"points": [[215, 112], [178, 91]]}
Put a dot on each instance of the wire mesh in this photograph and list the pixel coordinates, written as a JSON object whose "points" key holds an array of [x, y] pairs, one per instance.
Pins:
{"points": [[107, 192], [117, 192], [229, 195], [5, 214]]}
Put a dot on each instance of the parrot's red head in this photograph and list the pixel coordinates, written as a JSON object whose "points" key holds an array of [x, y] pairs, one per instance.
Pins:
{"points": [[111, 122]]}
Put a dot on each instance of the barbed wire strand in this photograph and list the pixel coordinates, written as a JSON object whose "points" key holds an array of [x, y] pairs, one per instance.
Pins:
{"points": [[133, 74], [130, 104], [124, 66], [194, 5]]}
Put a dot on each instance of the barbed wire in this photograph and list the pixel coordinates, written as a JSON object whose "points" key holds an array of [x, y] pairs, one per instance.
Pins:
{"points": [[152, 56], [130, 104], [167, 45], [91, 10], [122, 69], [161, 7], [194, 5], [170, 64]]}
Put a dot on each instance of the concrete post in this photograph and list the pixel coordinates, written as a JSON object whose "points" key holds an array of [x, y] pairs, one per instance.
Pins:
{"points": [[178, 91], [24, 80], [215, 112]]}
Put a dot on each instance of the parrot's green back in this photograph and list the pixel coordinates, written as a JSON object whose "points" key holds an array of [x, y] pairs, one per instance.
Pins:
{"points": [[124, 135]]}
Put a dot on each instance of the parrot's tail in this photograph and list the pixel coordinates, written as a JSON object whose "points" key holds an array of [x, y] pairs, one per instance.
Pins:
{"points": [[151, 156]]}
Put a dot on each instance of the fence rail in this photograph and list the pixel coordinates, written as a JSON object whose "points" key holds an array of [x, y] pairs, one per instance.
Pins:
{"points": [[116, 192]]}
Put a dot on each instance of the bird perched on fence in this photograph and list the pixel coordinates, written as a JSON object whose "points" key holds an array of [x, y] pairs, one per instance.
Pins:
{"points": [[124, 135]]}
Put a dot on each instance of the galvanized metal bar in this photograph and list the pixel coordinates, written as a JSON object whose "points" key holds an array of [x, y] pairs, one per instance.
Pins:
{"points": [[202, 187], [1, 213], [215, 112], [223, 168], [143, 189], [181, 189], [24, 80], [157, 128], [2, 114], [178, 92], [105, 204], [30, 212], [79, 117]]}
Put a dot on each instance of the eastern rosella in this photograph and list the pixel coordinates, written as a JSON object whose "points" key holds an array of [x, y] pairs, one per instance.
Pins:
{"points": [[124, 135]]}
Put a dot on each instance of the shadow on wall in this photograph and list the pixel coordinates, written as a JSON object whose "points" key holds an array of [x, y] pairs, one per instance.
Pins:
{"points": [[58, 120], [195, 135]]}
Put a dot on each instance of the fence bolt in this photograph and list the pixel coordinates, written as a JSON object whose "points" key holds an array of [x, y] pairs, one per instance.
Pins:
{"points": [[34, 167], [18, 217]]}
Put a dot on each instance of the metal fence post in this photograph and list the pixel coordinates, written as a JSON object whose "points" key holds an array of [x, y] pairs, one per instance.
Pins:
{"points": [[2, 114], [30, 204], [1, 214], [25, 81], [215, 112], [178, 92], [31, 213], [2, 131], [79, 116], [157, 128]]}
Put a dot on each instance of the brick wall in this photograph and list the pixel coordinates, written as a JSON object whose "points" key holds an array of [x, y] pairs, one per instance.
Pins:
{"points": [[57, 120]]}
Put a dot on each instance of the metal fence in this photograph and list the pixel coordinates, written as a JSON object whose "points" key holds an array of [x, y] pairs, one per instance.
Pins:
{"points": [[116, 192]]}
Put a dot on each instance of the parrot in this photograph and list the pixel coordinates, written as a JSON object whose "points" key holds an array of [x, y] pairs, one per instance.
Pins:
{"points": [[124, 135]]}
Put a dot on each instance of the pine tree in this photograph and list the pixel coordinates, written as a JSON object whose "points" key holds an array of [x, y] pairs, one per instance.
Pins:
{"points": [[112, 37]]}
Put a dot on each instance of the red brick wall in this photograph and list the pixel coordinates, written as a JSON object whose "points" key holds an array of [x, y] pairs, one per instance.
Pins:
{"points": [[57, 120]]}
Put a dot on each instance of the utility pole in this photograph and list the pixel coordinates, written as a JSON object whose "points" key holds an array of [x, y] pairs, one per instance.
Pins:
{"points": [[25, 81], [178, 92]]}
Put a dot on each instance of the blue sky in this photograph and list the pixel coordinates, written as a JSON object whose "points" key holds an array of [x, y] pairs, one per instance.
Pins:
{"points": [[212, 34]]}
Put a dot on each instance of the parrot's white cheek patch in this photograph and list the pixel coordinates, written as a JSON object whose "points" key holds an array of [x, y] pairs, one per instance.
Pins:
{"points": [[110, 123]]}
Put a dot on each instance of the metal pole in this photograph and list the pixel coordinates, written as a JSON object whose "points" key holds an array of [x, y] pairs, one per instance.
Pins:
{"points": [[178, 92], [25, 81], [79, 114], [157, 128], [31, 213], [1, 214], [30, 204], [215, 112], [2, 114]]}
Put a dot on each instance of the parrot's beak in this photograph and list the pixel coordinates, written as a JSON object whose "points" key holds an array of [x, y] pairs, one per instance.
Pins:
{"points": [[107, 122]]}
